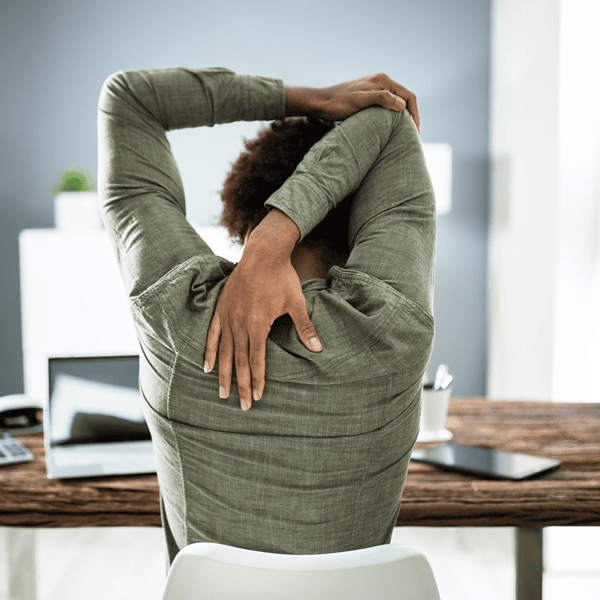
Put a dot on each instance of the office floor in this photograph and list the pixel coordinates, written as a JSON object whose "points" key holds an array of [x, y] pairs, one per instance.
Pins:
{"points": [[129, 564]]}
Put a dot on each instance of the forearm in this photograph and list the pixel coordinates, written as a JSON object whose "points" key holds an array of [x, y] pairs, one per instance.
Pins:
{"points": [[333, 168], [177, 98]]}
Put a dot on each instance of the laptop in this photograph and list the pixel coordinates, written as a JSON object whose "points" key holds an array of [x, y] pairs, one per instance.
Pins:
{"points": [[94, 423]]}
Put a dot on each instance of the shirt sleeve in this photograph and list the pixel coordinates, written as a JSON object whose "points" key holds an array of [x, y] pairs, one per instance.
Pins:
{"points": [[140, 188], [376, 155]]}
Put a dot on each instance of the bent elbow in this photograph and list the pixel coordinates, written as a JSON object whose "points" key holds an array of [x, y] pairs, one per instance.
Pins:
{"points": [[111, 89]]}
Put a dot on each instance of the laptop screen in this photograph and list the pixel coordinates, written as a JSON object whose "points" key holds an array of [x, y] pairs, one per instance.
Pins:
{"points": [[95, 400]]}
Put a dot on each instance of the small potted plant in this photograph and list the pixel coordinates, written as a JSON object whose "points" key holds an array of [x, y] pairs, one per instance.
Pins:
{"points": [[75, 200]]}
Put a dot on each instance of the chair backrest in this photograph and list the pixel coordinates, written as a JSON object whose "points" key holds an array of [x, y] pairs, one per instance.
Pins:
{"points": [[206, 571]]}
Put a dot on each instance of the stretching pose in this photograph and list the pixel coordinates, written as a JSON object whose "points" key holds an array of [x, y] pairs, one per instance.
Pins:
{"points": [[324, 327]]}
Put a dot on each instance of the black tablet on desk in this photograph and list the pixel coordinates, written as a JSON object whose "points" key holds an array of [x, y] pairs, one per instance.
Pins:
{"points": [[486, 462]]}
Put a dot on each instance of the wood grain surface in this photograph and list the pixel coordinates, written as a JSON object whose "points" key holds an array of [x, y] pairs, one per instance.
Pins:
{"points": [[29, 499], [570, 495], [569, 433]]}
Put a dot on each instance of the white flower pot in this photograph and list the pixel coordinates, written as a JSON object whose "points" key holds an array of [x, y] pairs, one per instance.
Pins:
{"points": [[77, 210]]}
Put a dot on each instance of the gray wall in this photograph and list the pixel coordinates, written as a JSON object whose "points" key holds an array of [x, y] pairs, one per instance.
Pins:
{"points": [[55, 56]]}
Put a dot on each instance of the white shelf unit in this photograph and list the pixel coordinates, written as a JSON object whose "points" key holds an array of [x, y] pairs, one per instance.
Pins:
{"points": [[72, 301]]}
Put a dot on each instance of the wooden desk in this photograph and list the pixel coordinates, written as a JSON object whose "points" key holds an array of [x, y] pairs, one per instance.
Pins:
{"points": [[569, 433]]}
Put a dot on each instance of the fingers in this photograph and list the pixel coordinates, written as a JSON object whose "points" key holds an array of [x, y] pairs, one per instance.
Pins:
{"points": [[398, 91], [248, 353], [212, 342], [306, 331], [258, 351], [250, 367], [242, 371], [225, 362], [411, 106], [389, 100]]}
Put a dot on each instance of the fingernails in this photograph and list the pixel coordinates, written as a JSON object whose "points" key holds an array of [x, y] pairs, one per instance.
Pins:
{"points": [[206, 366], [256, 395], [399, 104], [246, 404], [315, 344], [222, 392]]}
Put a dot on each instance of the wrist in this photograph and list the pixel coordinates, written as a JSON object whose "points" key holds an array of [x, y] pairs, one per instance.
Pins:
{"points": [[302, 101], [276, 234]]}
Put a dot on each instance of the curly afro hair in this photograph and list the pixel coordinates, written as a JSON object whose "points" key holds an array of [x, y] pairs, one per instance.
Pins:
{"points": [[260, 170]]}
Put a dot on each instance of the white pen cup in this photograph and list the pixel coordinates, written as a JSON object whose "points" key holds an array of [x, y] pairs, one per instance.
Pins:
{"points": [[434, 414]]}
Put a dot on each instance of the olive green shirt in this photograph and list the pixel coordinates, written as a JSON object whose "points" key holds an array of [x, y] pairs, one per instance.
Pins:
{"points": [[318, 465]]}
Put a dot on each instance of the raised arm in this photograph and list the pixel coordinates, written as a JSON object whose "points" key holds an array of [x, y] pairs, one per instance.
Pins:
{"points": [[141, 192], [264, 285]]}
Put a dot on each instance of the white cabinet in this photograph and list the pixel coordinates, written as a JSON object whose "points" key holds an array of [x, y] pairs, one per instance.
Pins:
{"points": [[73, 302]]}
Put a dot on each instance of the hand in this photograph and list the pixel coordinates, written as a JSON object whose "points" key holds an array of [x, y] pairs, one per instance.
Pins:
{"points": [[263, 286], [340, 101]]}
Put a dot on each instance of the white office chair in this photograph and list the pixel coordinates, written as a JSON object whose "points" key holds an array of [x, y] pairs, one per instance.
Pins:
{"points": [[207, 571]]}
